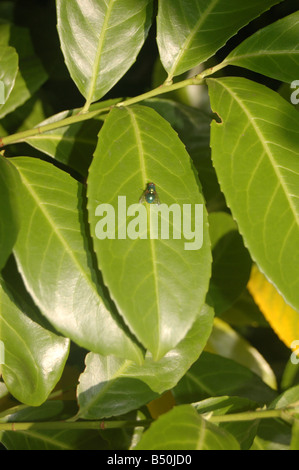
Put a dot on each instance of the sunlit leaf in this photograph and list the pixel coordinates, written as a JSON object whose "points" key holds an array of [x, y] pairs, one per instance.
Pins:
{"points": [[255, 153], [158, 284]]}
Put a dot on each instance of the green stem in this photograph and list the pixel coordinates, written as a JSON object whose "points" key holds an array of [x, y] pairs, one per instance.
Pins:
{"points": [[251, 416], [83, 116], [59, 425], [83, 113]]}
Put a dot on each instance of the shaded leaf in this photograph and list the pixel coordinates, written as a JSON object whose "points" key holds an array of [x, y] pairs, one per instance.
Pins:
{"points": [[9, 209], [8, 72], [228, 343], [31, 74], [212, 375], [231, 262], [74, 144]]}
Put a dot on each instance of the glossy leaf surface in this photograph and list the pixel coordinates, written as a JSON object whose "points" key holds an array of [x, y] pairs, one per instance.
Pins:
{"points": [[55, 265], [158, 284], [100, 40], [191, 32], [255, 153]]}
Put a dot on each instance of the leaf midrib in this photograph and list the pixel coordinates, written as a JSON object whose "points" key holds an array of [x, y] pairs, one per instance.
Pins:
{"points": [[190, 37], [57, 232], [97, 61]]}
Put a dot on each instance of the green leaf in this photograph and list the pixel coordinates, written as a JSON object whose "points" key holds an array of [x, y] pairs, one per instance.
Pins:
{"points": [[100, 40], [272, 51], [212, 375], [228, 343], [183, 428], [188, 33], [255, 153], [275, 434], [8, 72], [9, 209], [193, 128], [104, 379], [287, 398], [74, 144], [106, 388], [34, 355], [243, 431], [53, 257], [31, 74], [244, 312], [272, 434], [158, 285], [231, 262]]}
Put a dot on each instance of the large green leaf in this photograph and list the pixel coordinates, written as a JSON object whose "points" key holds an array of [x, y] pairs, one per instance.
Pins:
{"points": [[9, 210], [104, 379], [184, 429], [273, 51], [255, 153], [158, 285], [191, 32], [31, 74], [53, 257], [100, 40], [34, 355], [8, 72]]}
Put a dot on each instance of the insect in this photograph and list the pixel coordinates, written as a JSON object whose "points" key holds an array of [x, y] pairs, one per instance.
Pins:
{"points": [[150, 194]]}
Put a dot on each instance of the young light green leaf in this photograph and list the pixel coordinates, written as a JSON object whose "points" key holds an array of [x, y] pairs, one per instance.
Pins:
{"points": [[9, 68], [188, 33], [158, 284], [100, 40], [9, 210], [104, 379], [272, 51], [34, 355], [255, 153], [53, 257], [183, 428]]}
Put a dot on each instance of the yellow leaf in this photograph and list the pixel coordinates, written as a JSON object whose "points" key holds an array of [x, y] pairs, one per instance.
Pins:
{"points": [[282, 318]]}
